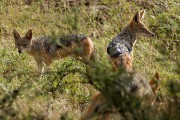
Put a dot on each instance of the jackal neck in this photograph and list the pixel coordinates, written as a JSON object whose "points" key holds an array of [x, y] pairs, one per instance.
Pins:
{"points": [[34, 47], [129, 35]]}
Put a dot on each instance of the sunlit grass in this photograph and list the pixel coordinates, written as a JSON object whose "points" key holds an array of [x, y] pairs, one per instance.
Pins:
{"points": [[53, 94]]}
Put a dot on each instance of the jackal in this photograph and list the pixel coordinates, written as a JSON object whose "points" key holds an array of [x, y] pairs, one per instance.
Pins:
{"points": [[129, 87], [120, 48], [44, 50]]}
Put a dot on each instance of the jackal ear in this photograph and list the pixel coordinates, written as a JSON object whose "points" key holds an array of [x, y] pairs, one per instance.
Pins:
{"points": [[142, 13], [29, 34], [16, 34], [136, 17]]}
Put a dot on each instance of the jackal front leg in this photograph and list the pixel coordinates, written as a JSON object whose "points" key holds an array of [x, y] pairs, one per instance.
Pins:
{"points": [[40, 66]]}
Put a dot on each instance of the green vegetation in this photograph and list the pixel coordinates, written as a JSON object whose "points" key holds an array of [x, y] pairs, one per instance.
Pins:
{"points": [[64, 91]]}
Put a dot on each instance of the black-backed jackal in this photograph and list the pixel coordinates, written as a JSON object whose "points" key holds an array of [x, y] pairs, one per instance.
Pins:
{"points": [[130, 86], [120, 48], [44, 50]]}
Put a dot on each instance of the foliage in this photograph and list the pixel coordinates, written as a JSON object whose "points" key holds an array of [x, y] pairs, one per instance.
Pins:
{"points": [[64, 91]]}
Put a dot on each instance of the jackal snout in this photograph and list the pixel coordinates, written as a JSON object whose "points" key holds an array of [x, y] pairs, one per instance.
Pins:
{"points": [[144, 31], [139, 26], [19, 51], [22, 43]]}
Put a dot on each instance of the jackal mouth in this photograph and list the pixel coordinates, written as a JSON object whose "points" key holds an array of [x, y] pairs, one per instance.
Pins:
{"points": [[147, 35], [153, 34], [150, 34], [22, 51]]}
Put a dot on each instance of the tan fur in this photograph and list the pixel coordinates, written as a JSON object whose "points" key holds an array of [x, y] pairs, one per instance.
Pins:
{"points": [[124, 61], [97, 101], [129, 36], [45, 51], [154, 82]]}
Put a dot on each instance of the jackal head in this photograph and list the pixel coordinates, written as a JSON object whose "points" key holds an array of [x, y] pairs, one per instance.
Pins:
{"points": [[138, 26], [22, 43]]}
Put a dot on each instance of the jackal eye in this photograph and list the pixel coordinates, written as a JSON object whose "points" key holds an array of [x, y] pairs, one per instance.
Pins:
{"points": [[18, 44], [25, 45]]}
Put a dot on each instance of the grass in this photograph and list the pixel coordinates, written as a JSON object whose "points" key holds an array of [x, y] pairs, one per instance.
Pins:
{"points": [[23, 95]]}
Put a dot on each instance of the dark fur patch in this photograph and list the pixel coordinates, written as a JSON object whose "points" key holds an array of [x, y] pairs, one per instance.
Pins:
{"points": [[68, 40], [116, 49]]}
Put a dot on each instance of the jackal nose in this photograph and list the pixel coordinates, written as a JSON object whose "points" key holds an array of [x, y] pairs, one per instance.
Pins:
{"points": [[153, 35], [19, 51]]}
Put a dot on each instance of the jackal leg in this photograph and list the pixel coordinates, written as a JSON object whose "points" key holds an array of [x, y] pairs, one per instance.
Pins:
{"points": [[40, 65], [123, 61], [127, 62], [98, 108], [93, 107]]}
